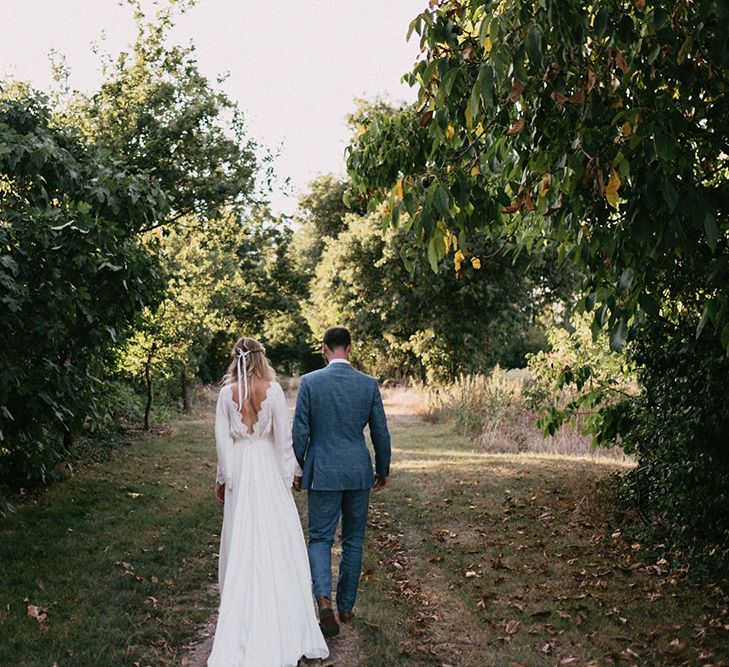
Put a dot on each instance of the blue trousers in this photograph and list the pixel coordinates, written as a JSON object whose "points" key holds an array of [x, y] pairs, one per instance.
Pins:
{"points": [[325, 508]]}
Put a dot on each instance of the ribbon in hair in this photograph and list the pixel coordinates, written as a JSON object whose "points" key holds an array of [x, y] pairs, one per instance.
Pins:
{"points": [[242, 361]]}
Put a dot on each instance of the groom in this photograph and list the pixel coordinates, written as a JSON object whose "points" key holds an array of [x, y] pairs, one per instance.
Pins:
{"points": [[332, 409]]}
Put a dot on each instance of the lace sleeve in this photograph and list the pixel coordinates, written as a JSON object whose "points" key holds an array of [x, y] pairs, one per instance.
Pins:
{"points": [[223, 440], [282, 435]]}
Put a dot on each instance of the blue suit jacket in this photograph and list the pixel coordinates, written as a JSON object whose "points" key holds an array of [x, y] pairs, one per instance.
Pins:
{"points": [[333, 407]]}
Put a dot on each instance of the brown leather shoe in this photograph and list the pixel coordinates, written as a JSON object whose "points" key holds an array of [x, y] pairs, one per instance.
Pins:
{"points": [[345, 616], [327, 620]]}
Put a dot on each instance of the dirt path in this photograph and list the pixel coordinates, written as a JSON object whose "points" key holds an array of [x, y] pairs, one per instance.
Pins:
{"points": [[345, 649]]}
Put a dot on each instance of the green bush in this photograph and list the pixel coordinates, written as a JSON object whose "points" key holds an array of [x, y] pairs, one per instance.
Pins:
{"points": [[678, 427]]}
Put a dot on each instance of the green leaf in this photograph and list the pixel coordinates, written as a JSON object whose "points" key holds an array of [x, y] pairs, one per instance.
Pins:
{"points": [[660, 18], [590, 301], [654, 53], [712, 232], [725, 336], [649, 305], [670, 196], [486, 84], [433, 254], [601, 22], [626, 279], [619, 336], [440, 199], [534, 46], [665, 146]]}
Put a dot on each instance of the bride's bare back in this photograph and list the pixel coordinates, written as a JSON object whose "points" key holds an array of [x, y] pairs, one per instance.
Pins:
{"points": [[258, 389]]}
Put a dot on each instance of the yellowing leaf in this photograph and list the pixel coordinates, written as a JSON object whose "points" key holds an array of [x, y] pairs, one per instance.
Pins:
{"points": [[458, 259], [545, 184], [399, 188], [475, 170], [450, 131], [449, 239], [626, 130], [479, 130], [611, 190], [476, 263]]}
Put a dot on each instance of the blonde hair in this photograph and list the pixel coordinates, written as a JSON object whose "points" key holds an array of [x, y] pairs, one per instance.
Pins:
{"points": [[257, 363]]}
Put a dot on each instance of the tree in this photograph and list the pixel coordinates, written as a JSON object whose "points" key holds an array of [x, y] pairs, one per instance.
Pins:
{"points": [[599, 131], [74, 270], [596, 129], [416, 323], [160, 113]]}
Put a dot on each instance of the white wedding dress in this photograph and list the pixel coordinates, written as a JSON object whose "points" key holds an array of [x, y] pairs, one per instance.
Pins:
{"points": [[267, 616]]}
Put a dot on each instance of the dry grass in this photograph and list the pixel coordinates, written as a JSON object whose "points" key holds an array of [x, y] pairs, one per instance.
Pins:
{"points": [[494, 413]]}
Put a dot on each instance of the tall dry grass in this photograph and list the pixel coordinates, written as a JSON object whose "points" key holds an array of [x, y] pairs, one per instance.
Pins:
{"points": [[493, 411]]}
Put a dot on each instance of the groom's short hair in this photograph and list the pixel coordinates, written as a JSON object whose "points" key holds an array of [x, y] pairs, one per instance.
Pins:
{"points": [[335, 337]]}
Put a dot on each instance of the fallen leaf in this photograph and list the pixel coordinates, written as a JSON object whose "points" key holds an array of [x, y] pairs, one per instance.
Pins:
{"points": [[627, 655], [676, 647], [40, 614], [571, 660], [512, 627]]}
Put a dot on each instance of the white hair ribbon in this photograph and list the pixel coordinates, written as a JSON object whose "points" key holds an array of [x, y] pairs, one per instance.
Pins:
{"points": [[242, 357]]}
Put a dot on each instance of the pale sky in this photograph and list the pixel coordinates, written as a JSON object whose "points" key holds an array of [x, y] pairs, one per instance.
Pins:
{"points": [[295, 66]]}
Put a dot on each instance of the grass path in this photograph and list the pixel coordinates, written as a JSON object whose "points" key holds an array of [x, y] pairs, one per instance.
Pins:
{"points": [[481, 559], [472, 560]]}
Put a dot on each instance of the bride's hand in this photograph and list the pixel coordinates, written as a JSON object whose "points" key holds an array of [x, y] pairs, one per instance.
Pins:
{"points": [[220, 493]]}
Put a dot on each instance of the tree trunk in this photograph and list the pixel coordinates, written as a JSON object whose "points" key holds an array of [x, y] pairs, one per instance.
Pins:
{"points": [[150, 395], [185, 386]]}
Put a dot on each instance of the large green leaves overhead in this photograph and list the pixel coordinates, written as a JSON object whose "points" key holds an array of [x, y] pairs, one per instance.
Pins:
{"points": [[597, 129]]}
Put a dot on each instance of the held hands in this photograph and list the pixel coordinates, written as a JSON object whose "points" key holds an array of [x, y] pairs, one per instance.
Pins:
{"points": [[380, 482], [296, 486], [220, 493]]}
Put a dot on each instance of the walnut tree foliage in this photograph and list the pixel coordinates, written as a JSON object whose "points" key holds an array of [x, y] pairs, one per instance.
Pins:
{"points": [[75, 270], [599, 130]]}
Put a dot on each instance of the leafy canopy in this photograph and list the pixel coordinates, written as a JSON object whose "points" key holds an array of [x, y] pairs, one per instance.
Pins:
{"points": [[599, 130]]}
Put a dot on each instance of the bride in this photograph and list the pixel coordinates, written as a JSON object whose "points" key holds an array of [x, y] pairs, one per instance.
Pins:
{"points": [[267, 616]]}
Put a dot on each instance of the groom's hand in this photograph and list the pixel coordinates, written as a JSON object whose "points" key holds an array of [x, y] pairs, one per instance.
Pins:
{"points": [[220, 493], [380, 482], [296, 486]]}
